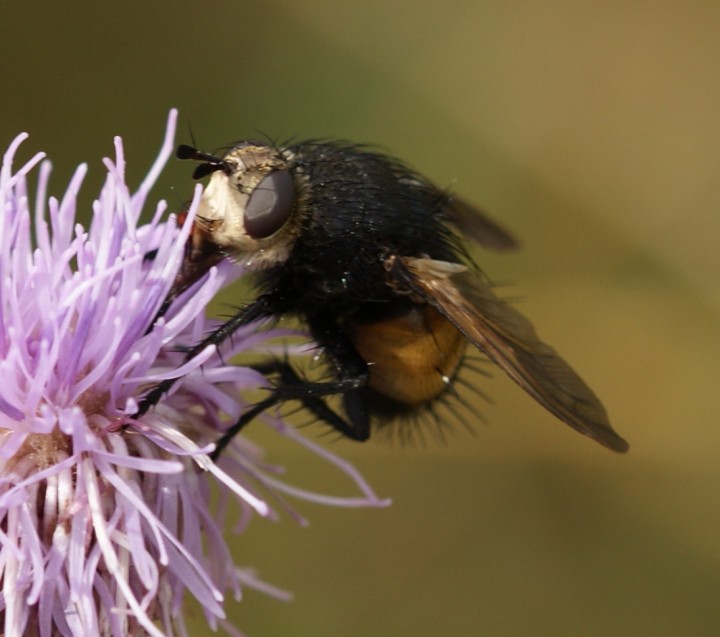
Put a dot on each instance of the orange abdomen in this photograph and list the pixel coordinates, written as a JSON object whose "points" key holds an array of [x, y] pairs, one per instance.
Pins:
{"points": [[411, 357]]}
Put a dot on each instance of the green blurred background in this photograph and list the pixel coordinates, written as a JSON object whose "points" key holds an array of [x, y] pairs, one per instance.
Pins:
{"points": [[590, 129]]}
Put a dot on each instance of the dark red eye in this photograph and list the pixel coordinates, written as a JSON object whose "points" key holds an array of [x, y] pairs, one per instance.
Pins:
{"points": [[269, 205]]}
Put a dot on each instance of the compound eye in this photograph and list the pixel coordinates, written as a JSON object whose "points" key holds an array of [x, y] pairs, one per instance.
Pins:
{"points": [[269, 205]]}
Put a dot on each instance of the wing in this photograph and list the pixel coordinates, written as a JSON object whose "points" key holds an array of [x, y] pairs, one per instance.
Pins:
{"points": [[475, 225], [508, 339]]}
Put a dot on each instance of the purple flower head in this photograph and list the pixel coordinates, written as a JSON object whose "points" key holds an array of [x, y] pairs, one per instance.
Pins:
{"points": [[105, 521]]}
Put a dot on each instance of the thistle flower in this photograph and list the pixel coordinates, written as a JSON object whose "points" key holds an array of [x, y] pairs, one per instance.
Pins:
{"points": [[105, 522]]}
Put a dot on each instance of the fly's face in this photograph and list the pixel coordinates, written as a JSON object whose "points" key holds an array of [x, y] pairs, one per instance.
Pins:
{"points": [[248, 209]]}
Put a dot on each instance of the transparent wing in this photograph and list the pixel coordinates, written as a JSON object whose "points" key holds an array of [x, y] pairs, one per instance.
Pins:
{"points": [[508, 339], [475, 225]]}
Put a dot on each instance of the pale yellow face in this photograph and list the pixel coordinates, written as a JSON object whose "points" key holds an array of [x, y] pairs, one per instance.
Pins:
{"points": [[248, 208]]}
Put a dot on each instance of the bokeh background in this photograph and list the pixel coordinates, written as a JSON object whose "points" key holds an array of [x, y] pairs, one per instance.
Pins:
{"points": [[592, 130]]}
